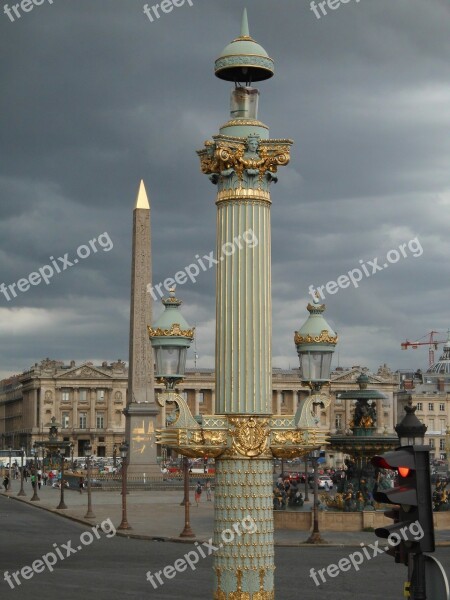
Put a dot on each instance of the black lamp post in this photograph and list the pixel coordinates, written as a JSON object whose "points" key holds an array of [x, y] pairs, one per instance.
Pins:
{"points": [[62, 504], [34, 451], [315, 537], [21, 491], [306, 479], [115, 456], [71, 455], [10, 468], [124, 454], [171, 337], [88, 454]]}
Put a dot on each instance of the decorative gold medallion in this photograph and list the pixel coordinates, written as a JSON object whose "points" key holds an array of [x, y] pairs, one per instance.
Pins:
{"points": [[250, 435]]}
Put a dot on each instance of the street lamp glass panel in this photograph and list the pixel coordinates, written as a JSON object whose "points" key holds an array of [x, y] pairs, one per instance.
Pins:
{"points": [[315, 366], [87, 450], [170, 361]]}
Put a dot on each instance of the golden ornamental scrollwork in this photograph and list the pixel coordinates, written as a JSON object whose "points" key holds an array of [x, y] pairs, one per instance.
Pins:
{"points": [[211, 438], [323, 338], [250, 435], [174, 331], [289, 436]]}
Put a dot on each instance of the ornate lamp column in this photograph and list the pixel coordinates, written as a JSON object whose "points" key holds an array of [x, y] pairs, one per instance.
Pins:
{"points": [[242, 435]]}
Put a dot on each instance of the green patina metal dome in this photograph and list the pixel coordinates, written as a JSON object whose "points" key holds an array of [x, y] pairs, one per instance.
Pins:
{"points": [[315, 333], [244, 60]]}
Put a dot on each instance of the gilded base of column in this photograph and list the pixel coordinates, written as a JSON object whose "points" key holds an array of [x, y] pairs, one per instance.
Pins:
{"points": [[243, 532]]}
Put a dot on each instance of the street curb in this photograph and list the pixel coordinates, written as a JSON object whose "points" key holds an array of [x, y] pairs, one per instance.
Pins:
{"points": [[175, 540]]}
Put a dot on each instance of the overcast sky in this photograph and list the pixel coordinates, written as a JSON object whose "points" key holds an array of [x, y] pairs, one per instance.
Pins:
{"points": [[95, 97]]}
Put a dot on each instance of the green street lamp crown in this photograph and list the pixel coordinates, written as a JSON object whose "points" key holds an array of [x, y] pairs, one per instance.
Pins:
{"points": [[410, 430], [170, 337], [315, 342]]}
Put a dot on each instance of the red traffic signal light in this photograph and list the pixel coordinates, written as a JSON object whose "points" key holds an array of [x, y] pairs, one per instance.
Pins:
{"points": [[412, 495]]}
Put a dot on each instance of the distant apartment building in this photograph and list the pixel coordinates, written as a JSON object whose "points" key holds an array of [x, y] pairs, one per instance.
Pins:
{"points": [[430, 392]]}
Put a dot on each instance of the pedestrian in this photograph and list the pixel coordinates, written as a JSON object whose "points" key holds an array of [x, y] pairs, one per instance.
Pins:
{"points": [[327, 486], [25, 474], [50, 476], [33, 480], [6, 483], [198, 492], [208, 491], [39, 479], [45, 477], [81, 485]]}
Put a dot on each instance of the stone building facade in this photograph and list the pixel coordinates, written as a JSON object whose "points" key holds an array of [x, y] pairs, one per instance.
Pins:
{"points": [[88, 401]]}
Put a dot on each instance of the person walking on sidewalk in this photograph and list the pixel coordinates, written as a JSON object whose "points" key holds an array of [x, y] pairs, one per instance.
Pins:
{"points": [[6, 483], [208, 491], [198, 492]]}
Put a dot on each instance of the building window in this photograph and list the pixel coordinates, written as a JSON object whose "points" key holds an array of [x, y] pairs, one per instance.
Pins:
{"points": [[65, 420], [442, 407], [430, 405], [338, 421], [442, 444], [101, 395], [338, 399], [283, 398], [65, 395], [82, 395], [201, 397], [184, 395], [100, 420], [419, 406], [431, 442], [431, 424], [83, 420]]}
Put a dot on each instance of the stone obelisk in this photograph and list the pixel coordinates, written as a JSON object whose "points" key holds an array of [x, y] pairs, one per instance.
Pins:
{"points": [[141, 411]]}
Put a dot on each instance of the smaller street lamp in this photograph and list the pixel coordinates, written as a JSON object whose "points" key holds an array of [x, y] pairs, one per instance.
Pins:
{"points": [[171, 337], [62, 504], [10, 468], [315, 537], [72, 446], [34, 452], [124, 453], [88, 454], [22, 491], [315, 343]]}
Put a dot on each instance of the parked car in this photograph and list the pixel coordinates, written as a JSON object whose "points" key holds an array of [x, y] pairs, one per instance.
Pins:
{"points": [[297, 477], [322, 482]]}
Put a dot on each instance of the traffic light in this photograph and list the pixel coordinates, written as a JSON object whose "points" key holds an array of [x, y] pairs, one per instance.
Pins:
{"points": [[413, 511]]}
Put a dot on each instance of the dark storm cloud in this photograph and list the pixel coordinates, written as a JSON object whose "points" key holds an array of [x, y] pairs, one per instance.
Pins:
{"points": [[95, 97]]}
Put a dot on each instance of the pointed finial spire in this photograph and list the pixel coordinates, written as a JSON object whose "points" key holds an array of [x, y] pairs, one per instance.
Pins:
{"points": [[142, 198], [245, 32]]}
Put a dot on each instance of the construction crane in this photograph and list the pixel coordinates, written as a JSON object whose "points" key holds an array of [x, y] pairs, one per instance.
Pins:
{"points": [[431, 343]]}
